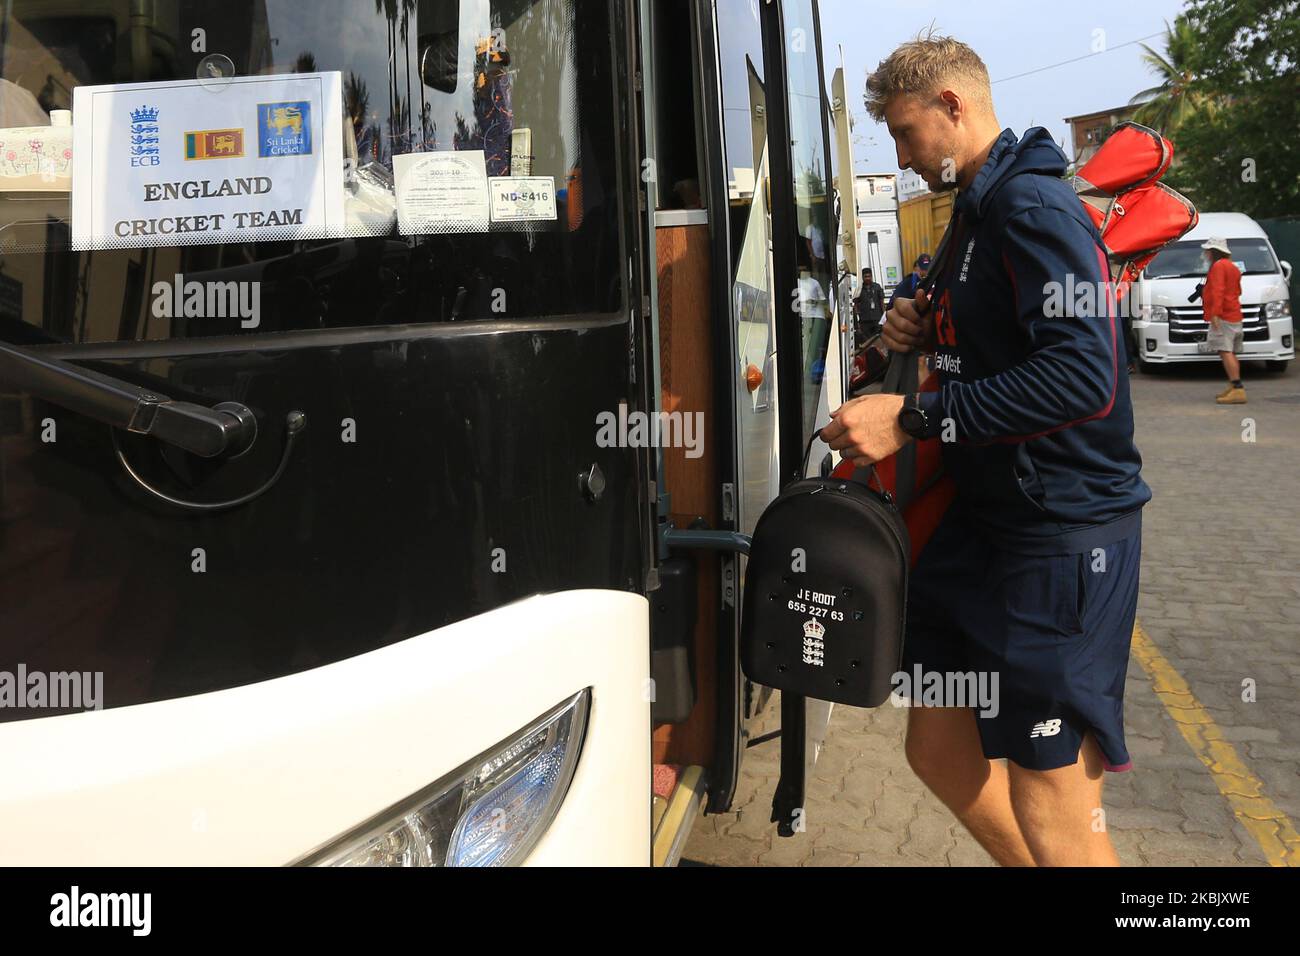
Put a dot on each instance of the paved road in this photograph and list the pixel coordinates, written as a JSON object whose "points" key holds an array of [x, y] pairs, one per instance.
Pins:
{"points": [[1217, 774]]}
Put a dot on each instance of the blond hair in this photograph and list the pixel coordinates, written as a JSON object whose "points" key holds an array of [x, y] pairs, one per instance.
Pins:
{"points": [[924, 66]]}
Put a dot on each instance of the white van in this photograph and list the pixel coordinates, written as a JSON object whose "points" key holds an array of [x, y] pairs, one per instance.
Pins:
{"points": [[1167, 327]]}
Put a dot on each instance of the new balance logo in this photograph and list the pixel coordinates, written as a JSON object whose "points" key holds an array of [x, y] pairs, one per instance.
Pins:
{"points": [[1046, 728]]}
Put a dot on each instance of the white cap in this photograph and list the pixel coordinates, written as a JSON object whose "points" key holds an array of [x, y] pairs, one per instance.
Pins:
{"points": [[1217, 244]]}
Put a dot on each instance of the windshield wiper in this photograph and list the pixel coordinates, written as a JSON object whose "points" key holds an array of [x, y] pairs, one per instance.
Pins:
{"points": [[228, 428]]}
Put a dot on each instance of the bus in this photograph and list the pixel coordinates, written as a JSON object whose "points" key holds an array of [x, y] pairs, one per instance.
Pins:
{"points": [[388, 392]]}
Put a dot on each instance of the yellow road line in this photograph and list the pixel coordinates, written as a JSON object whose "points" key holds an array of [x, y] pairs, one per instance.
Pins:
{"points": [[1263, 820]]}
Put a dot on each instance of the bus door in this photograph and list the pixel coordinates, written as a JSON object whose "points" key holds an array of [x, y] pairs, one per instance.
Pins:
{"points": [[749, 370], [778, 240], [772, 228], [804, 231]]}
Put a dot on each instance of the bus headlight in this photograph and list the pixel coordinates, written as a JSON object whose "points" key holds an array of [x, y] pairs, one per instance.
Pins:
{"points": [[489, 812], [1277, 310], [1157, 313]]}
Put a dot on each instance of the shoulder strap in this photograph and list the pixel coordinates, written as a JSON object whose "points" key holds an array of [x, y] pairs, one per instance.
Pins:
{"points": [[903, 376], [943, 255]]}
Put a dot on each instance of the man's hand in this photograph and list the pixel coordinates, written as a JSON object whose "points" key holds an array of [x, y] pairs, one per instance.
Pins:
{"points": [[906, 327], [865, 430]]}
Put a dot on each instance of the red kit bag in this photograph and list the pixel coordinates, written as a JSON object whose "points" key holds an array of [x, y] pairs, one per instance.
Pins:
{"points": [[1136, 214], [924, 492]]}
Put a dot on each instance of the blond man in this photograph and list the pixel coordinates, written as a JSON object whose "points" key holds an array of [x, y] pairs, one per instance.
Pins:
{"points": [[1033, 572]]}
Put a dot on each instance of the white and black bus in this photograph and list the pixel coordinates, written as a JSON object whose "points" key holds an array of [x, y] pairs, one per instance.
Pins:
{"points": [[387, 388]]}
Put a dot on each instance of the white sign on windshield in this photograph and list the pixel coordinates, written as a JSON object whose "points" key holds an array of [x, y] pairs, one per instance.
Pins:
{"points": [[441, 192], [185, 163]]}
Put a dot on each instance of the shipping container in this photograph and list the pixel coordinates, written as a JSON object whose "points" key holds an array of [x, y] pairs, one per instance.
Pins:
{"points": [[923, 221]]}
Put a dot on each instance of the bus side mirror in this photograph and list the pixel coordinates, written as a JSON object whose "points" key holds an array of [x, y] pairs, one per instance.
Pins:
{"points": [[1286, 271]]}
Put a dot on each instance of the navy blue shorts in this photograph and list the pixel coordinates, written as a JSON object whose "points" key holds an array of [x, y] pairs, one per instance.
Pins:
{"points": [[1055, 630]]}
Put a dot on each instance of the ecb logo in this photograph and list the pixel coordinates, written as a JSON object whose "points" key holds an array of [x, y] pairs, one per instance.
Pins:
{"points": [[284, 129], [144, 137]]}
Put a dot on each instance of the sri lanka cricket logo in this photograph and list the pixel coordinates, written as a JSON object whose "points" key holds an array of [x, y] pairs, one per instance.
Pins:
{"points": [[284, 129]]}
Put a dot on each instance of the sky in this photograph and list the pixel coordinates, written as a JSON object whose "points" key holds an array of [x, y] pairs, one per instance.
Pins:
{"points": [[1013, 37]]}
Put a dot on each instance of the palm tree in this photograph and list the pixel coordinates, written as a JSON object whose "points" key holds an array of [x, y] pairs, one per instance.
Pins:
{"points": [[356, 102], [399, 127], [389, 9], [1165, 107], [408, 10]]}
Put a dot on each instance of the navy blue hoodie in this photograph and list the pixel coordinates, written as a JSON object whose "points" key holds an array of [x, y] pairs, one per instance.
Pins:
{"points": [[1034, 393]]}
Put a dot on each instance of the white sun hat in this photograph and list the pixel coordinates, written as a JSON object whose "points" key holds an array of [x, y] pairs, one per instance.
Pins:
{"points": [[1218, 245]]}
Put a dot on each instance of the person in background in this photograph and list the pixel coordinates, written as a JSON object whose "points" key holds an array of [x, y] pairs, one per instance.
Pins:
{"points": [[907, 288], [816, 247], [868, 308], [688, 195], [1221, 301]]}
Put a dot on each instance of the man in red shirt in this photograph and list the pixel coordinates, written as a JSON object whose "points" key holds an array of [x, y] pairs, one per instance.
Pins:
{"points": [[1221, 301]]}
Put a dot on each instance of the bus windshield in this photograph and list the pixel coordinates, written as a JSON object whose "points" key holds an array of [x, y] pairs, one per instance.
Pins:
{"points": [[362, 163]]}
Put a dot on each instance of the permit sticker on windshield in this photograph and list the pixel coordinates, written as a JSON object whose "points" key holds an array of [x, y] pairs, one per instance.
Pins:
{"points": [[523, 199], [441, 192], [179, 163]]}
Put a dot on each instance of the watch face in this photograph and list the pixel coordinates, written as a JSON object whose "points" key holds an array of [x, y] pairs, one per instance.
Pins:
{"points": [[911, 420]]}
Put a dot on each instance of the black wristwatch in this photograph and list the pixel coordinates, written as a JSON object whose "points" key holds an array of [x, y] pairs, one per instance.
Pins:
{"points": [[912, 418]]}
